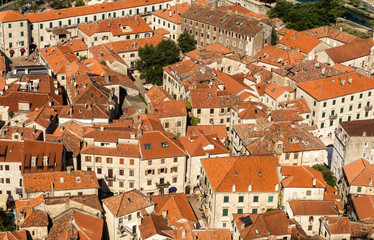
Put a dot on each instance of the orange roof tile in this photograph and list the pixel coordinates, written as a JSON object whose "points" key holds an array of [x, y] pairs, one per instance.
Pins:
{"points": [[35, 218], [300, 41], [128, 150], [298, 105], [11, 16], [117, 26], [153, 225], [215, 47], [24, 132], [279, 57], [218, 130], [302, 177], [274, 90], [41, 182], [14, 235], [350, 51], [174, 14], [58, 57], [328, 88], [127, 202], [363, 206], [315, 207], [88, 10], [177, 207], [170, 108], [242, 10], [161, 32], [283, 115], [133, 45], [259, 172], [327, 31], [337, 225], [359, 173], [76, 45], [343, 68], [158, 94]]}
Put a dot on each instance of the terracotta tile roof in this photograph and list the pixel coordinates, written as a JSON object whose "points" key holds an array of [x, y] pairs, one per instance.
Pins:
{"points": [[223, 19], [26, 205], [337, 225], [75, 224], [359, 173], [111, 134], [232, 85], [79, 111], [158, 94], [200, 144], [328, 88], [343, 68], [260, 172], [217, 234], [169, 108], [285, 115], [58, 57], [363, 206], [127, 202], [106, 53], [308, 70], [279, 57], [237, 9], [34, 218], [275, 91], [88, 10], [14, 235], [158, 148], [128, 150], [251, 110], [41, 182], [177, 207], [266, 225], [299, 105], [211, 98], [283, 31], [358, 128], [42, 116], [260, 88], [203, 53], [76, 45], [86, 200], [161, 32], [361, 229], [24, 133], [132, 45], [350, 51], [147, 122], [315, 207], [262, 138], [294, 39], [326, 31], [153, 225], [331, 194], [117, 26], [11, 16], [174, 14], [218, 130], [301, 177]]}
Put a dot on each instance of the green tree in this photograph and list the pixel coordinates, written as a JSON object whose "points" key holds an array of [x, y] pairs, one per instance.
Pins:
{"points": [[274, 37], [79, 3], [34, 7], [11, 114], [186, 42], [5, 224], [152, 60], [327, 174], [13, 7]]}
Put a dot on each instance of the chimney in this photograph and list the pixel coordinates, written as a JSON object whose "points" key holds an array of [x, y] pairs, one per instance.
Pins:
{"points": [[26, 71], [69, 169], [165, 214], [364, 134], [323, 71], [276, 187], [212, 125], [233, 188], [184, 233], [370, 182], [101, 129], [314, 182], [170, 13], [52, 189], [242, 227], [202, 69], [249, 188], [294, 36]]}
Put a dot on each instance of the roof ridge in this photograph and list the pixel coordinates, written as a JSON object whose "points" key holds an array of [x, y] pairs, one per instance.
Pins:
{"points": [[254, 223], [359, 172], [336, 224], [236, 158]]}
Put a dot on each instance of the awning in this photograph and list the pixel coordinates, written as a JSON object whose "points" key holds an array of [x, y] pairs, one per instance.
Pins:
{"points": [[172, 189], [11, 51], [22, 50]]}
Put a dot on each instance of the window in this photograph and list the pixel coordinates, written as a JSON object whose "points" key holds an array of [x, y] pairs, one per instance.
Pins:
{"points": [[254, 210], [175, 160], [323, 114], [174, 179], [98, 171], [240, 210], [225, 199], [7, 180], [9, 25], [352, 97], [179, 123], [198, 111], [310, 227], [315, 103], [309, 192], [149, 182], [131, 184], [131, 173], [361, 95], [98, 159], [131, 161], [148, 146], [359, 189], [6, 167], [359, 105], [121, 172], [225, 212], [341, 110], [164, 144], [343, 100], [121, 184], [121, 161], [10, 35], [358, 116], [369, 94], [324, 104], [149, 162], [41, 38], [333, 102], [21, 24], [270, 199], [241, 198], [322, 125], [349, 118], [255, 198], [109, 160]]}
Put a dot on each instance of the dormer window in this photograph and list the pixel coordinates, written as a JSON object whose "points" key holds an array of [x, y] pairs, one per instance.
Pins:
{"points": [[164, 144], [148, 146], [78, 179]]}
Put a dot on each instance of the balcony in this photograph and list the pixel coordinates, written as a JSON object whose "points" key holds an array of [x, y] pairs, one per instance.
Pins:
{"points": [[124, 230], [110, 178], [332, 117], [19, 190], [162, 185], [368, 108]]}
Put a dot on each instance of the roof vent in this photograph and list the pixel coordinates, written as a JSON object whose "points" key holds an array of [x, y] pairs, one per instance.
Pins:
{"points": [[342, 81], [61, 179], [350, 80]]}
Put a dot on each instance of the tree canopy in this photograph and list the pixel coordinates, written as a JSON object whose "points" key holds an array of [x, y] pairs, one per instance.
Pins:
{"points": [[186, 42], [327, 174], [302, 16], [153, 59]]}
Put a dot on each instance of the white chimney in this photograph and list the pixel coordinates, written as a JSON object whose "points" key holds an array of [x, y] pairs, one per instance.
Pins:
{"points": [[165, 214], [314, 182], [184, 233], [249, 188], [276, 187], [233, 188], [371, 182]]}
